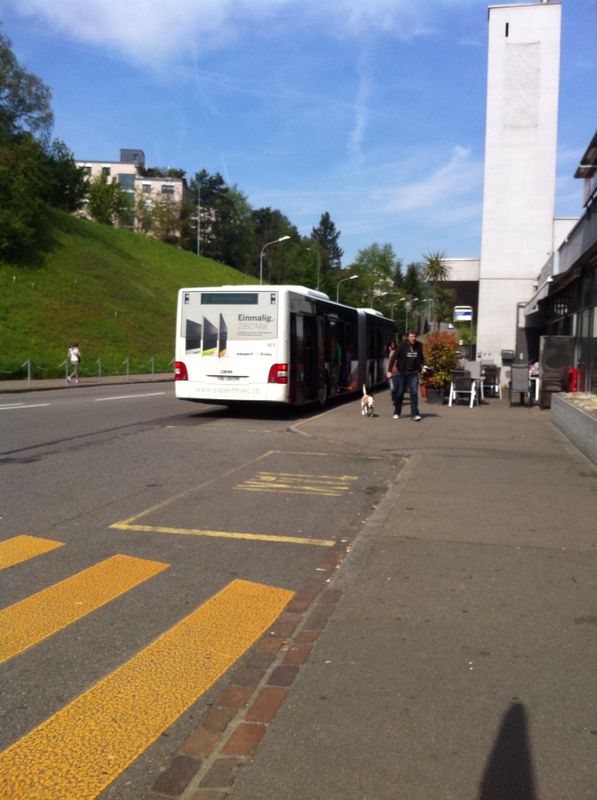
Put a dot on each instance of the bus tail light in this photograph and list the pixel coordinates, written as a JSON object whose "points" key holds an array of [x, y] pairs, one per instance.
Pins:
{"points": [[180, 371], [278, 373]]}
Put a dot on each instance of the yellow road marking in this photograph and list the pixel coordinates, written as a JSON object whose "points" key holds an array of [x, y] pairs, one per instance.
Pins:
{"points": [[130, 523], [255, 537], [197, 488], [80, 750], [24, 624], [297, 483], [216, 478], [22, 548]]}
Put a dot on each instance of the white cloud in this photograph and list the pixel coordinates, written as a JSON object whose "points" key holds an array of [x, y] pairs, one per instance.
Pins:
{"points": [[155, 34], [445, 196], [460, 176]]}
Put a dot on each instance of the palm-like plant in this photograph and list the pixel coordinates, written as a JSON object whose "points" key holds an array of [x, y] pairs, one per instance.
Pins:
{"points": [[436, 272]]}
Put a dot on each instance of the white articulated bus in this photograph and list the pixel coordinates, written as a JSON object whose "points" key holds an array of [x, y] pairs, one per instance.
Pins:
{"points": [[275, 344]]}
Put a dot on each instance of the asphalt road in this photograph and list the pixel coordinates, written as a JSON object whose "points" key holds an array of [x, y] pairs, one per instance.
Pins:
{"points": [[192, 500]]}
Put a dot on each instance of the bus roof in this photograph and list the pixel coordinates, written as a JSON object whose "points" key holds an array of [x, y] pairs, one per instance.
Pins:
{"points": [[250, 287]]}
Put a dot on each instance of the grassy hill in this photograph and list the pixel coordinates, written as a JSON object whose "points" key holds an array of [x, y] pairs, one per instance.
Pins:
{"points": [[112, 291]]}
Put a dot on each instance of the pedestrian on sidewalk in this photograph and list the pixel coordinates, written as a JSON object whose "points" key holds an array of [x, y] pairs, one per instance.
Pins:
{"points": [[409, 360], [392, 347], [74, 359]]}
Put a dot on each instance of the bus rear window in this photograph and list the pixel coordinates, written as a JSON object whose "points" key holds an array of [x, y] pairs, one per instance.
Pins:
{"points": [[229, 298]]}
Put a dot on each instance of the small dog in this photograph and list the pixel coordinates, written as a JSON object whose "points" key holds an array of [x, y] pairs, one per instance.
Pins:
{"points": [[367, 403]]}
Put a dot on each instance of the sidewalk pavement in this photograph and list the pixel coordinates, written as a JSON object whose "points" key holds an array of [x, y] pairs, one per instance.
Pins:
{"points": [[459, 662], [23, 385]]}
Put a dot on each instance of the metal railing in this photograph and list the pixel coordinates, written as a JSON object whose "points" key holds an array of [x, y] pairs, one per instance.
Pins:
{"points": [[28, 369]]}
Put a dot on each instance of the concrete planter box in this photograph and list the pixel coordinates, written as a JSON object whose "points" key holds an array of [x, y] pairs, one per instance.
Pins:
{"points": [[577, 423]]}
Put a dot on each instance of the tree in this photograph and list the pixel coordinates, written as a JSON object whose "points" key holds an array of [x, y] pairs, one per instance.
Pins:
{"points": [[24, 98], [166, 219], [237, 230], [210, 194], [412, 284], [108, 202], [271, 224], [67, 185], [326, 236], [436, 272], [378, 269], [22, 186]]}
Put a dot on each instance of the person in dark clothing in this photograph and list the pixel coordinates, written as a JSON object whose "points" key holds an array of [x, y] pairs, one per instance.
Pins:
{"points": [[409, 360]]}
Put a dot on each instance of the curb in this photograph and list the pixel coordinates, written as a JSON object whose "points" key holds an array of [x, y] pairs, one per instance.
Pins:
{"points": [[207, 763]]}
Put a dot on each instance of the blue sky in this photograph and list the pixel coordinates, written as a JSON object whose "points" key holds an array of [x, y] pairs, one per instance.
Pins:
{"points": [[373, 110]]}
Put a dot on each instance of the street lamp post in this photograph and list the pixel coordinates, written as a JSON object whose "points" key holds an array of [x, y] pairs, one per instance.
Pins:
{"points": [[318, 254], [395, 305], [407, 305], [267, 244], [350, 278]]}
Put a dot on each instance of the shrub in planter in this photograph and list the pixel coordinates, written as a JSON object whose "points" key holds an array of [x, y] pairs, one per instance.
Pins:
{"points": [[441, 354]]}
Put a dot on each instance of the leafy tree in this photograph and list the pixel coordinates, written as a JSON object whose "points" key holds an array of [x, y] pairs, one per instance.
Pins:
{"points": [[412, 283], [378, 269], [166, 219], [271, 224], [210, 194], [237, 230], [443, 304], [436, 272], [108, 202], [24, 98], [326, 235], [67, 185], [22, 186]]}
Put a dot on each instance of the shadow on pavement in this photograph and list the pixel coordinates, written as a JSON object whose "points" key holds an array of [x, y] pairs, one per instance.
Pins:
{"points": [[509, 771]]}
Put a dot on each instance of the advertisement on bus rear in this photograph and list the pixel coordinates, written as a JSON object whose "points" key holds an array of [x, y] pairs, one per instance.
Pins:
{"points": [[219, 323]]}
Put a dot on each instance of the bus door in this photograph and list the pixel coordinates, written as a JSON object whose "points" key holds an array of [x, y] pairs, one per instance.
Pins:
{"points": [[323, 385], [335, 349], [304, 362]]}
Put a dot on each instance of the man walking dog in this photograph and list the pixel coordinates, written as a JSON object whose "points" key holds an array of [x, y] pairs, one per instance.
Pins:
{"points": [[409, 361]]}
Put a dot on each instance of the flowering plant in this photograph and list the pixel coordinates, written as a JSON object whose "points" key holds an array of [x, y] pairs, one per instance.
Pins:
{"points": [[441, 355]]}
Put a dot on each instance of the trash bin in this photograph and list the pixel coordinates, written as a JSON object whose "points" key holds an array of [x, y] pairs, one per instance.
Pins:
{"points": [[507, 357]]}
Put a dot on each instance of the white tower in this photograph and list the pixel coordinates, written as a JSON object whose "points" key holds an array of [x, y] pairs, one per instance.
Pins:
{"points": [[520, 164]]}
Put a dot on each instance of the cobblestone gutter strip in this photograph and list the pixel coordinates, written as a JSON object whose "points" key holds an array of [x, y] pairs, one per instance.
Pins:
{"points": [[206, 765]]}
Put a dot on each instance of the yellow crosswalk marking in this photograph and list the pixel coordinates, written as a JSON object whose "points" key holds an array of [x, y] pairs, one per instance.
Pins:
{"points": [[22, 548], [79, 751], [26, 623]]}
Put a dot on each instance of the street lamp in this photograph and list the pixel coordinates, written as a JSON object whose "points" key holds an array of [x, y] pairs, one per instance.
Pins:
{"points": [[318, 254], [350, 278], [267, 244]]}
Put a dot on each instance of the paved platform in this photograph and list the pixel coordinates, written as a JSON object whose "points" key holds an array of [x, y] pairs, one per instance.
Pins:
{"points": [[458, 657]]}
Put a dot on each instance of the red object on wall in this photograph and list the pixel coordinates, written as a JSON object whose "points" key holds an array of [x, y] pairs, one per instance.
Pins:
{"points": [[571, 379]]}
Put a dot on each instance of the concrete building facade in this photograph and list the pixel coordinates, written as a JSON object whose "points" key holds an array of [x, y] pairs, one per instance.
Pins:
{"points": [[518, 232]]}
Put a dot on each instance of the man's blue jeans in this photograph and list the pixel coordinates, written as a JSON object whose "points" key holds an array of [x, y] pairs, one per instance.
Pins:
{"points": [[400, 383]]}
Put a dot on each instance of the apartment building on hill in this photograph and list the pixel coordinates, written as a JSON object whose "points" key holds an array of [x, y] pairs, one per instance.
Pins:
{"points": [[128, 171]]}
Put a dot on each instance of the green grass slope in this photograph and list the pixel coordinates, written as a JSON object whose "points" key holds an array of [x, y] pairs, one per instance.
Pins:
{"points": [[112, 291]]}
